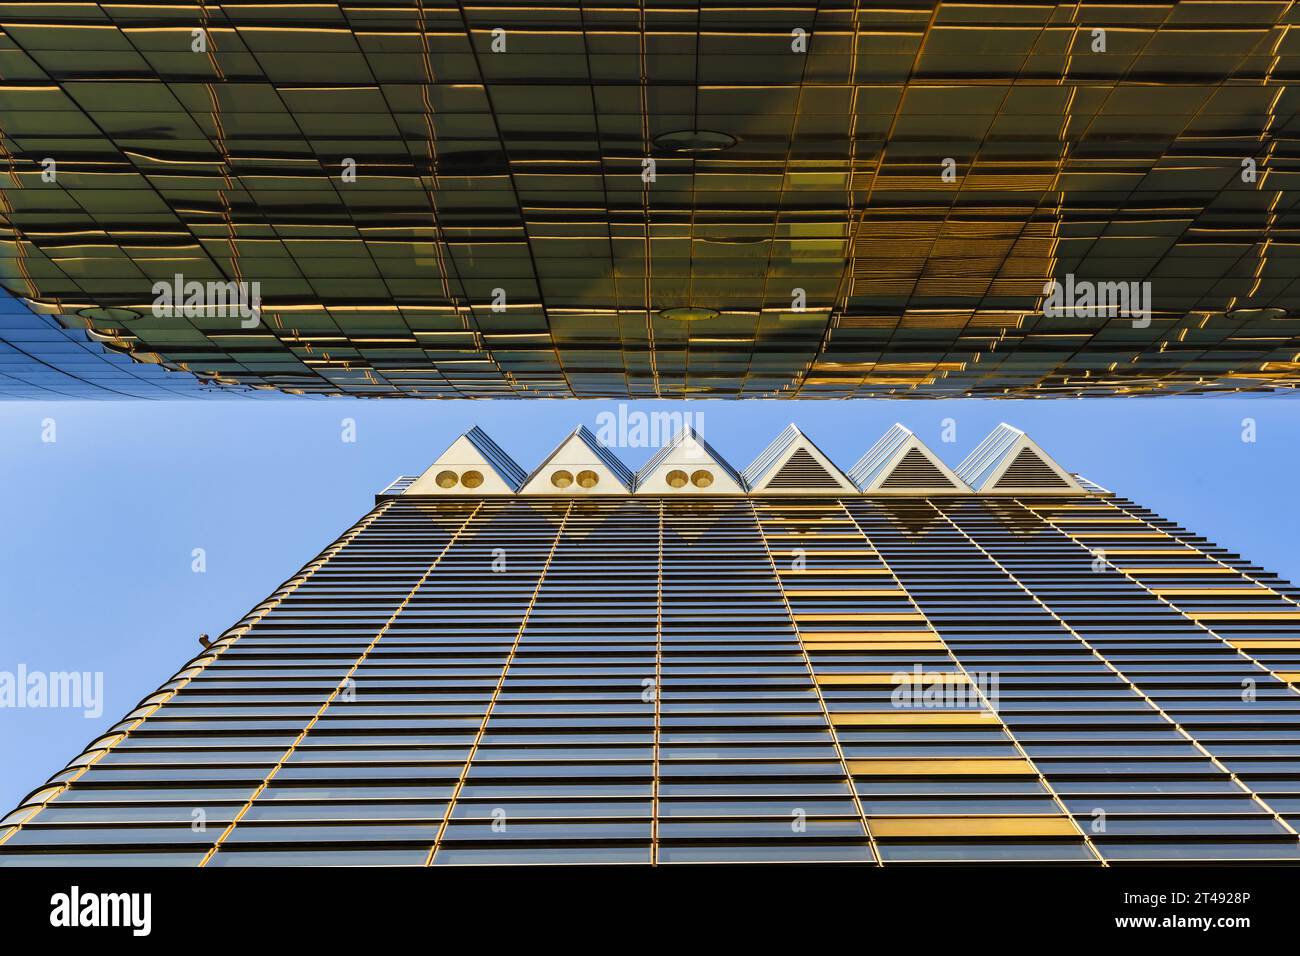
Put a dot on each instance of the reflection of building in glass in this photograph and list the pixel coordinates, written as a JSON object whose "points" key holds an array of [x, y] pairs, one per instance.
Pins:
{"points": [[810, 199], [42, 358], [904, 662]]}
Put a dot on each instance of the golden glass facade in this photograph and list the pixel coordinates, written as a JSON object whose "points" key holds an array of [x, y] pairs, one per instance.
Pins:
{"points": [[627, 199]]}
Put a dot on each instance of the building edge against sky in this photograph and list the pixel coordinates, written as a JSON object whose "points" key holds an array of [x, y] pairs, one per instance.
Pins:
{"points": [[1021, 666]]}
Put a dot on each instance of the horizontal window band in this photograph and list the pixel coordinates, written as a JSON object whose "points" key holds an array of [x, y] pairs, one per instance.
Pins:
{"points": [[844, 592], [863, 552], [1095, 521], [973, 826], [914, 718], [1253, 591], [1177, 570], [887, 617], [880, 647], [961, 766], [1244, 615], [835, 571], [892, 678], [917, 636]]}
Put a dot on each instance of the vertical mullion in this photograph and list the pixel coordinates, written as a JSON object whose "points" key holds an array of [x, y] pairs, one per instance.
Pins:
{"points": [[1163, 600], [217, 648], [496, 691], [974, 685], [658, 690], [1186, 734], [339, 686], [812, 679]]}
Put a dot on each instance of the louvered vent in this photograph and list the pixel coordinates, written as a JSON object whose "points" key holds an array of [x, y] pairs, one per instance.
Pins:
{"points": [[916, 471], [1030, 471], [803, 471]]}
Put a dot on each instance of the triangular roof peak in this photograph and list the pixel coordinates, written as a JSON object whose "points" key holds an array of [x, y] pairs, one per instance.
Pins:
{"points": [[900, 463], [688, 464], [472, 464], [1010, 462], [793, 465], [580, 465]]}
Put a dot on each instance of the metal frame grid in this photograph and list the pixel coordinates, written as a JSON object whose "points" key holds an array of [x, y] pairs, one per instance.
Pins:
{"points": [[520, 171], [462, 681]]}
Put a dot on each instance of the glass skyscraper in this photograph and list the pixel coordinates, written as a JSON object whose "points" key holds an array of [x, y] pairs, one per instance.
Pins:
{"points": [[795, 199], [898, 662]]}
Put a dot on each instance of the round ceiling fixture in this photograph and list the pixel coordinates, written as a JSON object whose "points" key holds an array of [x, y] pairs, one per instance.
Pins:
{"points": [[695, 141], [689, 313], [1247, 315], [720, 240], [108, 316]]}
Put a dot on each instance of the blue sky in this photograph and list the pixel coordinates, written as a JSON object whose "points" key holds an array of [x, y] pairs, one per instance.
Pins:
{"points": [[100, 525]]}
